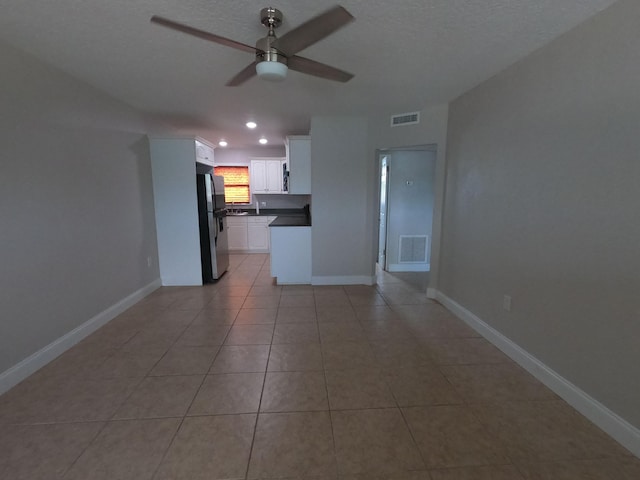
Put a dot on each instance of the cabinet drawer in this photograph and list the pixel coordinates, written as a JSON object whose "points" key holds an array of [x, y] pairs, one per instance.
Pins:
{"points": [[236, 221]]}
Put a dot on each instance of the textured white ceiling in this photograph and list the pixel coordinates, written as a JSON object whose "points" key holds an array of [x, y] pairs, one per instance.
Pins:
{"points": [[406, 54]]}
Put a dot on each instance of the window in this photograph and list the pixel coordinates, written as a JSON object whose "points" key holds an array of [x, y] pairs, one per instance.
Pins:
{"points": [[236, 183]]}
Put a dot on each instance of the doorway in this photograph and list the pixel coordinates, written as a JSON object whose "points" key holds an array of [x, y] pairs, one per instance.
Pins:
{"points": [[406, 207]]}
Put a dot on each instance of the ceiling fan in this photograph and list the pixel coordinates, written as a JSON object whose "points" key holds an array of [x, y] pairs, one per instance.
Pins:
{"points": [[274, 56]]}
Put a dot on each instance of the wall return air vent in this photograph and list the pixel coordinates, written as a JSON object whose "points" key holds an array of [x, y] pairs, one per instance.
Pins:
{"points": [[413, 249], [402, 119]]}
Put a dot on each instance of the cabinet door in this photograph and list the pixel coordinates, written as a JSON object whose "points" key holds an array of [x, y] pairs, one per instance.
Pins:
{"points": [[258, 237], [274, 176], [237, 233], [204, 154], [259, 176]]}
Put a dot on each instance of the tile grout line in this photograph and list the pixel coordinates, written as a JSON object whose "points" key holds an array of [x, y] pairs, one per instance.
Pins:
{"points": [[264, 380], [185, 416], [326, 387], [111, 418]]}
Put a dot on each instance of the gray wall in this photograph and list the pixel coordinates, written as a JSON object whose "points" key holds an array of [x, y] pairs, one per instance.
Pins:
{"points": [[341, 174], [345, 185], [242, 156], [410, 207], [543, 204], [432, 130], [76, 205]]}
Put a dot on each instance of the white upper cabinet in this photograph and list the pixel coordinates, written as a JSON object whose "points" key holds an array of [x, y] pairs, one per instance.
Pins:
{"points": [[299, 158], [266, 175], [274, 176], [258, 176], [204, 153]]}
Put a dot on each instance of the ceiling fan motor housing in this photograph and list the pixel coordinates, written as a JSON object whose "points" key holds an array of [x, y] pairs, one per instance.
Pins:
{"points": [[266, 53], [271, 17], [267, 56]]}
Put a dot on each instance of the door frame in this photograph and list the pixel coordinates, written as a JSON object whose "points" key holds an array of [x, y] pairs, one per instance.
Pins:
{"points": [[438, 207], [383, 177]]}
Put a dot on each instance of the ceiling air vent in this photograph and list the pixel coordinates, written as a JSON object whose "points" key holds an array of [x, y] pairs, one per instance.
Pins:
{"points": [[403, 119]]}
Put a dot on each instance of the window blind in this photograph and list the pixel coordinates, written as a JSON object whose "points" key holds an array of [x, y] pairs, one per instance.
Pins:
{"points": [[236, 183]]}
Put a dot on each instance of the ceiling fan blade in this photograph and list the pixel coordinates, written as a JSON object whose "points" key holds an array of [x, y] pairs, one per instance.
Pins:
{"points": [[313, 30], [245, 74], [317, 69], [165, 22]]}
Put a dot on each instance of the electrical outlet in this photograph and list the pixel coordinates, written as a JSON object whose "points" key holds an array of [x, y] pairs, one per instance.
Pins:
{"points": [[506, 303], [263, 204], [148, 261]]}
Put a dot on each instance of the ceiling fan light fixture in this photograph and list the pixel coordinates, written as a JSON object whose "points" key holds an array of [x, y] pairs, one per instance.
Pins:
{"points": [[273, 71]]}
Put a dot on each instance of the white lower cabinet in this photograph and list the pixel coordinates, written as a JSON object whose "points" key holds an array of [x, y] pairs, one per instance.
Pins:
{"points": [[249, 234], [237, 233], [258, 233]]}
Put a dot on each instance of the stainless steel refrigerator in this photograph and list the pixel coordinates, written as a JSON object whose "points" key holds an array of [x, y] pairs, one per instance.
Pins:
{"points": [[212, 218]]}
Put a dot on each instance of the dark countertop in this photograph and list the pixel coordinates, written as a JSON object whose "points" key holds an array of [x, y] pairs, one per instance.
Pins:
{"points": [[274, 212], [291, 221], [285, 217]]}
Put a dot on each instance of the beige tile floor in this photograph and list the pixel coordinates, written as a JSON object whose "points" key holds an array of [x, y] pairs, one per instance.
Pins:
{"points": [[247, 380]]}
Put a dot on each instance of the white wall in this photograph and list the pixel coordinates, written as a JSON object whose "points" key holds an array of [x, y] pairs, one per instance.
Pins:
{"points": [[280, 201], [341, 175], [543, 204], [173, 169], [76, 206]]}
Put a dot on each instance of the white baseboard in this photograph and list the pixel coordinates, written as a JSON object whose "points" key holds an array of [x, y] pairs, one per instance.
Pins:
{"points": [[249, 252], [343, 280], [617, 427], [39, 359], [409, 267]]}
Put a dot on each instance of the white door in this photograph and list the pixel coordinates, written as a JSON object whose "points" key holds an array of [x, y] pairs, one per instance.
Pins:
{"points": [[382, 217]]}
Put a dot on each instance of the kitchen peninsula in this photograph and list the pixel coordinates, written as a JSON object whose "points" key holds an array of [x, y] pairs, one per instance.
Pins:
{"points": [[291, 249]]}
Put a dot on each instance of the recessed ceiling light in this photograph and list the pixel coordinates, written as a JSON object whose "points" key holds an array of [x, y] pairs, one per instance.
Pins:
{"points": [[223, 143], [252, 125], [263, 141]]}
